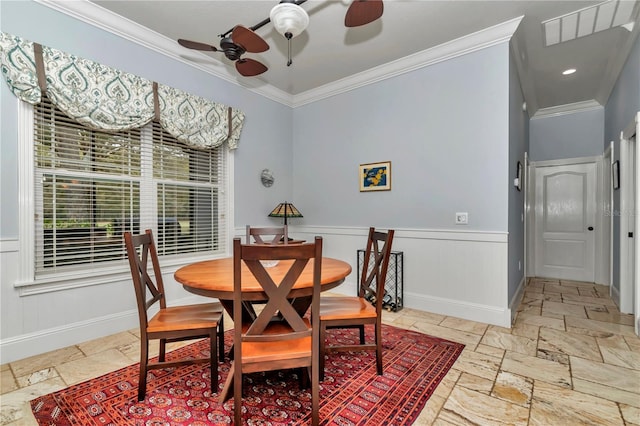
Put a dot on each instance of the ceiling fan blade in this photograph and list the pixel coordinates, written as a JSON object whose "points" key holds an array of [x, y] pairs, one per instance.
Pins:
{"points": [[250, 67], [361, 12], [250, 41], [196, 45]]}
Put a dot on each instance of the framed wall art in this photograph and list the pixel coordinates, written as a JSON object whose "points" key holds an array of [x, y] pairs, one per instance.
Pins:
{"points": [[375, 176]]}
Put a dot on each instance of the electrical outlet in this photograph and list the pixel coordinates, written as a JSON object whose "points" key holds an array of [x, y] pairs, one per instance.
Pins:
{"points": [[462, 218]]}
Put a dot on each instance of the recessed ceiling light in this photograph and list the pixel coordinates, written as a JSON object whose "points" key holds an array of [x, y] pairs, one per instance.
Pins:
{"points": [[569, 71]]}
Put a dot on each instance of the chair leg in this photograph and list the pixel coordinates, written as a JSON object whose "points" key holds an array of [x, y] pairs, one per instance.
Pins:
{"points": [[213, 357], [163, 350], [221, 338], [315, 396], [237, 395], [304, 374], [323, 333], [144, 361], [361, 328], [379, 348]]}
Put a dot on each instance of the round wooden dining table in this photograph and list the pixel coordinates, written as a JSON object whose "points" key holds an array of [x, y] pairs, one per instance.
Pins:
{"points": [[214, 278]]}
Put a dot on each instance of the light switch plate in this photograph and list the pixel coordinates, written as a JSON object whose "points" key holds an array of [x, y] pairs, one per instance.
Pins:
{"points": [[462, 218]]}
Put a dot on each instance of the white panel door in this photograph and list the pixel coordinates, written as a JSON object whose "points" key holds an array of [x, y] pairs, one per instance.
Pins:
{"points": [[565, 217]]}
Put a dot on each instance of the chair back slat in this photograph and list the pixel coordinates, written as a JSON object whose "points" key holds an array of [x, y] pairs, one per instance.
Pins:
{"points": [[375, 266], [275, 234], [278, 304]]}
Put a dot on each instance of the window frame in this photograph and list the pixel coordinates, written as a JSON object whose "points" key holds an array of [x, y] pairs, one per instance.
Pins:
{"points": [[27, 283]]}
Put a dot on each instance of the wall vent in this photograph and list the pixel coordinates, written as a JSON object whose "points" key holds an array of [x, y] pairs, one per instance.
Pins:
{"points": [[611, 13]]}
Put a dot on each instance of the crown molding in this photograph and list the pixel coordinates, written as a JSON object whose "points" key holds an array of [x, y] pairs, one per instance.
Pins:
{"points": [[559, 110], [99, 17], [106, 20], [470, 43]]}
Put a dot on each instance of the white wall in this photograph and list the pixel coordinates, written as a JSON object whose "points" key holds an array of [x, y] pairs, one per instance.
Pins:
{"points": [[457, 273]]}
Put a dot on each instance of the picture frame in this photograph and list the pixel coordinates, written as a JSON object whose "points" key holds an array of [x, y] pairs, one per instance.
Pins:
{"points": [[615, 174], [518, 180], [375, 176]]}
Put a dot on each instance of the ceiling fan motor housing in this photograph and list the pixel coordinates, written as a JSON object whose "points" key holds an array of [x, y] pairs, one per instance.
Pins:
{"points": [[231, 50]]}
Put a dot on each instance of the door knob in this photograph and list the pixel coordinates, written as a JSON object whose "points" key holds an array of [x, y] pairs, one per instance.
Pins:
{"points": [[590, 228]]}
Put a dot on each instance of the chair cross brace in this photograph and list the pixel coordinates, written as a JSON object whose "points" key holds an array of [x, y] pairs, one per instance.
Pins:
{"points": [[277, 294], [368, 292]]}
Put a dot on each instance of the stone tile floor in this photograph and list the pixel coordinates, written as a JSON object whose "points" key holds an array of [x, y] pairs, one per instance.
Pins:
{"points": [[571, 358]]}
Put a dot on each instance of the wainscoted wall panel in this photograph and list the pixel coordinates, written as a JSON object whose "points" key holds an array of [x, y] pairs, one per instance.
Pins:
{"points": [[41, 322], [463, 274], [455, 273]]}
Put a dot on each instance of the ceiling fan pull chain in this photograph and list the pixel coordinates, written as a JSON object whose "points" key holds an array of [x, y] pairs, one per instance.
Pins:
{"points": [[289, 36]]}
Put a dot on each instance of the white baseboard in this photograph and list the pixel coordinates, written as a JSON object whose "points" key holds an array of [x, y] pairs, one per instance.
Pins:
{"points": [[517, 299], [30, 344], [615, 296], [456, 308], [43, 341]]}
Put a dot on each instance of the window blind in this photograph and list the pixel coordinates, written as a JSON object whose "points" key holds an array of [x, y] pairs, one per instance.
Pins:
{"points": [[91, 186], [190, 195]]}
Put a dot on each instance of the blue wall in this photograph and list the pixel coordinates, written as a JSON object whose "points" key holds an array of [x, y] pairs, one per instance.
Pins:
{"points": [[572, 135], [443, 127], [518, 145], [624, 101]]}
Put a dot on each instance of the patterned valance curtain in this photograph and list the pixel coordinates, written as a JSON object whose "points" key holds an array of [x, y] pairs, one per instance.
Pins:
{"points": [[198, 121], [104, 98]]}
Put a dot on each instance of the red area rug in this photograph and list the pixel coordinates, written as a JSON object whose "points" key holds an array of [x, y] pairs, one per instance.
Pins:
{"points": [[351, 394]]}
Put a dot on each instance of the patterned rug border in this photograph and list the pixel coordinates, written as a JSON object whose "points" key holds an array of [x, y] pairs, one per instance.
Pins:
{"points": [[351, 394]]}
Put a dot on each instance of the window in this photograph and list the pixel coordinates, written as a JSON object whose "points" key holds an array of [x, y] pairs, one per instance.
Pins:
{"points": [[91, 186]]}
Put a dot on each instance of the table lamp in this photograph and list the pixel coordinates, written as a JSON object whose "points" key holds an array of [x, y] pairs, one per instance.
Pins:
{"points": [[285, 210]]}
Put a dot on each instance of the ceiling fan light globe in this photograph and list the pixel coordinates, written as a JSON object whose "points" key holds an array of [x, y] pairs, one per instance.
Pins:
{"points": [[289, 18]]}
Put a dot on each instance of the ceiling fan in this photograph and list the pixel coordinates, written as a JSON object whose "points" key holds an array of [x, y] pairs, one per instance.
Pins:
{"points": [[240, 40]]}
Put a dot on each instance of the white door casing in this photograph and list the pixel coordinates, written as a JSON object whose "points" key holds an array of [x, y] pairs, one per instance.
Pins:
{"points": [[607, 218], [565, 220], [627, 167], [629, 288], [632, 131]]}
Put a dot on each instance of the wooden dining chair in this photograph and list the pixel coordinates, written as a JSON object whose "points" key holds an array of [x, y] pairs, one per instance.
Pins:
{"points": [[169, 324], [279, 337], [366, 308], [277, 234]]}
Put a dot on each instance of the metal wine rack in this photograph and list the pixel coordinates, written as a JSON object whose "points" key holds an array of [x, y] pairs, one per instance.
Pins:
{"points": [[394, 284]]}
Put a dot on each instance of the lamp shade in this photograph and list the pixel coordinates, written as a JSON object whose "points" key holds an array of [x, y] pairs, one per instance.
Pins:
{"points": [[289, 19], [285, 210]]}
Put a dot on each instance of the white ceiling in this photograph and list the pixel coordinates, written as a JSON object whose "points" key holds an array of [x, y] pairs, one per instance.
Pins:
{"points": [[328, 54]]}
